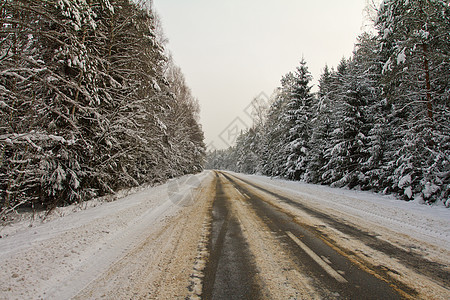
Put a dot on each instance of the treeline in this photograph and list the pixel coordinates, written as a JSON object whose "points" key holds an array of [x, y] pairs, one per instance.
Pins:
{"points": [[89, 102], [380, 121]]}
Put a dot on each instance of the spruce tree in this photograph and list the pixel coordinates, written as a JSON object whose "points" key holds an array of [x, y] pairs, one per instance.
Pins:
{"points": [[321, 125], [298, 117], [273, 154]]}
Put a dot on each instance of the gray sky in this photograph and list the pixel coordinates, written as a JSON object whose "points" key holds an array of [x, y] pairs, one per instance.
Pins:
{"points": [[232, 50]]}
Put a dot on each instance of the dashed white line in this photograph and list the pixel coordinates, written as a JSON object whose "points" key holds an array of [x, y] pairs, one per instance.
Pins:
{"points": [[243, 194], [326, 260], [317, 259]]}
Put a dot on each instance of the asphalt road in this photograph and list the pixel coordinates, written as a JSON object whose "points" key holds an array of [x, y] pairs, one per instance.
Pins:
{"points": [[232, 271]]}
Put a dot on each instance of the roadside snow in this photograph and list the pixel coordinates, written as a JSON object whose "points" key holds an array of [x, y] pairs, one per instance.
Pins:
{"points": [[58, 256]]}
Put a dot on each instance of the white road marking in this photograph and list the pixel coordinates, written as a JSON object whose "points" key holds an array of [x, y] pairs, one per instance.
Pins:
{"points": [[317, 259], [239, 192], [326, 260], [243, 194]]}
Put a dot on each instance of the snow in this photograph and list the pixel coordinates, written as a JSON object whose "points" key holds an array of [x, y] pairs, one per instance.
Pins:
{"points": [[387, 66], [57, 256], [4, 105], [405, 181], [401, 57], [429, 190], [408, 192], [424, 34]]}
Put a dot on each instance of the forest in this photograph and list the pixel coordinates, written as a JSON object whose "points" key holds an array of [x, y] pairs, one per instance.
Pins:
{"points": [[90, 102], [379, 121]]}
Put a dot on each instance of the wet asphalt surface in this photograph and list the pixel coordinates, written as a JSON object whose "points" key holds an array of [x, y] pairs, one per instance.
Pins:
{"points": [[359, 285], [410, 259], [231, 272]]}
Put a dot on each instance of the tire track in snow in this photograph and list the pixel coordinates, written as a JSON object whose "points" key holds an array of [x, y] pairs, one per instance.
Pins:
{"points": [[230, 269]]}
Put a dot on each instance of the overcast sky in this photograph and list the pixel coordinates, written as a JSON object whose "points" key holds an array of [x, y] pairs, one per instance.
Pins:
{"points": [[232, 50]]}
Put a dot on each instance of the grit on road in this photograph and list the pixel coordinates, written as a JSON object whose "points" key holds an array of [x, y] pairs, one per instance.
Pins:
{"points": [[221, 235]]}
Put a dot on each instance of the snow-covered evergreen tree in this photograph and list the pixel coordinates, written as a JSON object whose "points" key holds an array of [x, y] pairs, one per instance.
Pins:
{"points": [[349, 140], [321, 126], [46, 75], [379, 122], [415, 55], [368, 69], [273, 158], [85, 106], [298, 118]]}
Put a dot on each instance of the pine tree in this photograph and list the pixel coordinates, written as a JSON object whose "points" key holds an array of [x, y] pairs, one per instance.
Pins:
{"points": [[366, 66], [349, 139], [46, 71], [184, 132], [248, 152], [273, 151], [380, 121]]}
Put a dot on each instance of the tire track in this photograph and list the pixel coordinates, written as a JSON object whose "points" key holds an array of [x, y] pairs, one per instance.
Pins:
{"points": [[229, 273]]}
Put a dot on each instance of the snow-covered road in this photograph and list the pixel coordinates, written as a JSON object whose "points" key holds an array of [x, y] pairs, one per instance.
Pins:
{"points": [[159, 242]]}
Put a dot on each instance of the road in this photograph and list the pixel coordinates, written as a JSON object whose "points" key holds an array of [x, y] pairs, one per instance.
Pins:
{"points": [[222, 235], [233, 272], [260, 250]]}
